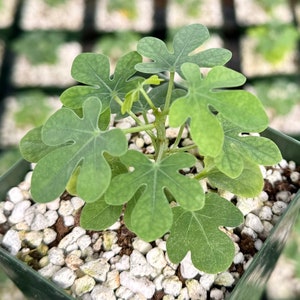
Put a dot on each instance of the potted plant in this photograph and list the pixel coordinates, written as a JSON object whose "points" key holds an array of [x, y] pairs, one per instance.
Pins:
{"points": [[156, 192]]}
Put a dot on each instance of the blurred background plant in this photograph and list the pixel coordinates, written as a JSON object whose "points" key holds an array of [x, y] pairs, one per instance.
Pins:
{"points": [[39, 46]]}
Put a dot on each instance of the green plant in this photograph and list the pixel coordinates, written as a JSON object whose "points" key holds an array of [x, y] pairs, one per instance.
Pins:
{"points": [[76, 148], [127, 8], [275, 40], [279, 94], [33, 108], [39, 46]]}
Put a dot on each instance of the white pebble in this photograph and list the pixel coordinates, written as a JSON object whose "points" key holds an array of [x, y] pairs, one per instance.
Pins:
{"points": [[123, 264], [249, 231], [140, 285], [295, 176], [96, 268], [195, 289], [65, 208], [124, 293], [258, 244], [207, 280], [51, 216], [49, 270], [274, 177], [18, 211], [53, 205], [69, 221], [187, 268], [56, 256], [83, 285], [141, 245], [77, 202], [112, 280], [8, 206], [11, 241], [34, 238], [224, 279], [292, 165], [102, 292], [216, 294], [279, 207], [64, 277], [84, 241], [266, 213], [15, 195], [138, 265], [49, 235], [238, 258], [172, 285], [254, 222], [156, 258], [73, 261], [39, 222], [72, 237], [284, 196]]}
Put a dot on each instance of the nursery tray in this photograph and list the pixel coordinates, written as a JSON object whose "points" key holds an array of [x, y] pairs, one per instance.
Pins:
{"points": [[252, 284]]}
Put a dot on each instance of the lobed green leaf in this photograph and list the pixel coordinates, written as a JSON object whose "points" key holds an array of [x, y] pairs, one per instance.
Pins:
{"points": [[151, 216], [186, 40], [212, 251], [79, 142], [207, 95], [238, 147], [248, 184], [94, 70]]}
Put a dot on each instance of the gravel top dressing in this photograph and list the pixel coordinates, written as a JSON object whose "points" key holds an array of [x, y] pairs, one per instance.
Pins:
{"points": [[115, 264]]}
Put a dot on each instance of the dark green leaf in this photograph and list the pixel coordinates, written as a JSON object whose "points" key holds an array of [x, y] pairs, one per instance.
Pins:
{"points": [[212, 251], [79, 142], [94, 70], [186, 40], [152, 209]]}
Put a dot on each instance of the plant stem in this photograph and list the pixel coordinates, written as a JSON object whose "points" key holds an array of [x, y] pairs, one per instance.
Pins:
{"points": [[169, 93], [182, 149], [139, 128], [178, 138], [148, 99]]}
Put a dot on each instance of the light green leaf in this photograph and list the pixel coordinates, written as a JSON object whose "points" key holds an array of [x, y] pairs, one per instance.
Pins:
{"points": [[238, 147], [248, 184], [99, 215], [79, 142], [212, 251], [94, 70], [151, 216], [207, 94], [186, 40]]}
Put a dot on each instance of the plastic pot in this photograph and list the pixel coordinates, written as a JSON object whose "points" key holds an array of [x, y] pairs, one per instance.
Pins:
{"points": [[252, 284]]}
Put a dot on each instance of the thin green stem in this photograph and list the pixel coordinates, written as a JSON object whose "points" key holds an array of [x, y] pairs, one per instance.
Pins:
{"points": [[144, 127], [148, 99], [178, 138], [169, 93], [182, 149]]}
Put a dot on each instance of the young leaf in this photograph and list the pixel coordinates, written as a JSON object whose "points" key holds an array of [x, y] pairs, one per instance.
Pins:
{"points": [[99, 215], [248, 184], [79, 142], [94, 70], [186, 40], [151, 216], [237, 148], [32, 147], [212, 251], [238, 106]]}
